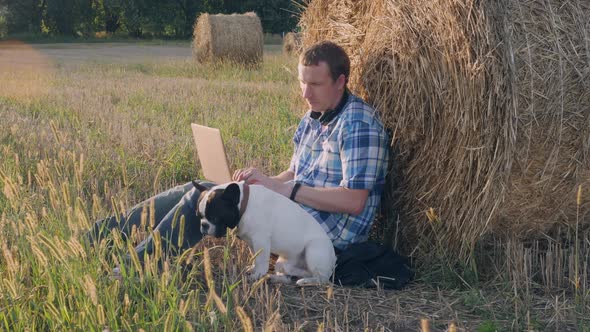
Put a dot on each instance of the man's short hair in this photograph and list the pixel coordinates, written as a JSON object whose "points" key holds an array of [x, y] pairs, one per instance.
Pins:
{"points": [[332, 54]]}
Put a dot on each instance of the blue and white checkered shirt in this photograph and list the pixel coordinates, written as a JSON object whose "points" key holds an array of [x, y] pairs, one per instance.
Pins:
{"points": [[350, 151]]}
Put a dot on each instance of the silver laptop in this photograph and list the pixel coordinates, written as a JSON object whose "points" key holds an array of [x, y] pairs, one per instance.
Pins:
{"points": [[211, 153]]}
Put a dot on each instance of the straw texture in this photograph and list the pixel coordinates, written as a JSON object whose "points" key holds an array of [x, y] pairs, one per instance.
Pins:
{"points": [[488, 103], [235, 37], [292, 43]]}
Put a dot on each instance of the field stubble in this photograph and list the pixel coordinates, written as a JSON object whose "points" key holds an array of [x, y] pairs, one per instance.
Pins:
{"points": [[85, 134]]}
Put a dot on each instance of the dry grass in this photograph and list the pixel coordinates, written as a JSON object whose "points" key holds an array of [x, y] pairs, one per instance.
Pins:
{"points": [[27, 76], [503, 304], [292, 43], [488, 103], [106, 135]]}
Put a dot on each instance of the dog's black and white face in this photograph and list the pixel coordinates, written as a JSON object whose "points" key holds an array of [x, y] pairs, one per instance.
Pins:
{"points": [[218, 209]]}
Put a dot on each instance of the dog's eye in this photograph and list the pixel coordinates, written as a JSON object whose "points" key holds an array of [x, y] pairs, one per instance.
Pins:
{"points": [[199, 215]]}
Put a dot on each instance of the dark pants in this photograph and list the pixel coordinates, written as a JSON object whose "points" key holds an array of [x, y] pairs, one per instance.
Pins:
{"points": [[169, 207]]}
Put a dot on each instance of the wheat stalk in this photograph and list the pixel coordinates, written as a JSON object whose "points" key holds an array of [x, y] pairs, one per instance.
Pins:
{"points": [[246, 321]]}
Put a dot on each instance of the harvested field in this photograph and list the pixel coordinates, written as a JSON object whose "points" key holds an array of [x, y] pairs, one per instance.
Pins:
{"points": [[95, 52], [110, 129]]}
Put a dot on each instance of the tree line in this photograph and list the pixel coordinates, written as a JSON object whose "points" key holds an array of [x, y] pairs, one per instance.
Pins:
{"points": [[135, 18]]}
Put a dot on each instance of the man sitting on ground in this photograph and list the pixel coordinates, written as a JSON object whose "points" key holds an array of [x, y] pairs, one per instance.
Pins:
{"points": [[337, 171]]}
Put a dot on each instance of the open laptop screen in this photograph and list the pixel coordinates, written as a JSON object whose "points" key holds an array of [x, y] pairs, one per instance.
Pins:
{"points": [[211, 153]]}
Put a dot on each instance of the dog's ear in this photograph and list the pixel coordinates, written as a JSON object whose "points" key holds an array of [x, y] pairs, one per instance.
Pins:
{"points": [[199, 186], [231, 194], [201, 197]]}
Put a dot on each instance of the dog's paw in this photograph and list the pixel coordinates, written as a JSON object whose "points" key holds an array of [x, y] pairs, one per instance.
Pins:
{"points": [[255, 275], [282, 279], [313, 281]]}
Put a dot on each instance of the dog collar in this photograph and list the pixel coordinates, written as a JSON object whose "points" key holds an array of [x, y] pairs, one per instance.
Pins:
{"points": [[246, 195]]}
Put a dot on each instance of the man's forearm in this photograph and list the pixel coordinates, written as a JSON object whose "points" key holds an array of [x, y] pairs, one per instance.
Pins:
{"points": [[284, 176], [335, 200], [338, 199]]}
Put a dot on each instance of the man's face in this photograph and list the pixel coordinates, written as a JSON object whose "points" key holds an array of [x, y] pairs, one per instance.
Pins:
{"points": [[318, 88]]}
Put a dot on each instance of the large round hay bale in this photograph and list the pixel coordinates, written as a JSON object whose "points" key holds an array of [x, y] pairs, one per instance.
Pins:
{"points": [[292, 43], [489, 106], [235, 37]]}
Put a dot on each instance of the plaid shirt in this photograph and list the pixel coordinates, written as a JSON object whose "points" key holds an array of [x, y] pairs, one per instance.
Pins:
{"points": [[351, 151]]}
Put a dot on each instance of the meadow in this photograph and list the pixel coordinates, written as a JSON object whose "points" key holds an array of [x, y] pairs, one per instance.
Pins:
{"points": [[87, 130]]}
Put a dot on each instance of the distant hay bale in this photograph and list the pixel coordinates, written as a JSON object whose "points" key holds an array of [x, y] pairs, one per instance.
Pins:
{"points": [[489, 106], [235, 37], [292, 43]]}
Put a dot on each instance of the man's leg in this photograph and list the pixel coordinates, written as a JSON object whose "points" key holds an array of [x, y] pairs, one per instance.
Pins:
{"points": [[163, 203], [177, 236]]}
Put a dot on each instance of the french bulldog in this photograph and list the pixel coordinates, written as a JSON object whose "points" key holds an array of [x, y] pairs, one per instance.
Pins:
{"points": [[269, 223]]}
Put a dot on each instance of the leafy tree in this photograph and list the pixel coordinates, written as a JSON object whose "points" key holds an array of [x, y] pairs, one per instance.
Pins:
{"points": [[23, 15], [214, 6], [186, 14], [3, 22], [278, 16], [68, 17], [59, 16], [111, 10], [133, 18], [275, 15], [139, 18]]}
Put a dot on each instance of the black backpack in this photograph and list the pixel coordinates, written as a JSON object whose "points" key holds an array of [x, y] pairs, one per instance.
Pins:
{"points": [[369, 265]]}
